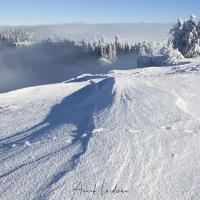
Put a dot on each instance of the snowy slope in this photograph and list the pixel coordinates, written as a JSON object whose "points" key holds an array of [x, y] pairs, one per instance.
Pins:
{"points": [[130, 134]]}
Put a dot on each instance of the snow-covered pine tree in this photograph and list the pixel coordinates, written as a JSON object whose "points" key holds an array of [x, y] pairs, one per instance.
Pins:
{"points": [[171, 55], [126, 48], [85, 44], [185, 38], [90, 48], [99, 52], [50, 39], [113, 51], [153, 48], [103, 40], [141, 49], [190, 38], [134, 49], [177, 35], [198, 30], [109, 51], [118, 46], [95, 43]]}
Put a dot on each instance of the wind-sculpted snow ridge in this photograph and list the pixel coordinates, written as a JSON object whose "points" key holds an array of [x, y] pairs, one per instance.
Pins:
{"points": [[130, 134]]}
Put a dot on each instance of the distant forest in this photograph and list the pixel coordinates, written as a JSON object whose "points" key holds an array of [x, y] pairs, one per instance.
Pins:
{"points": [[185, 38]]}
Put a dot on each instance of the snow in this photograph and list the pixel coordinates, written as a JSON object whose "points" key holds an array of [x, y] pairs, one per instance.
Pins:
{"points": [[129, 134], [105, 62], [150, 60]]}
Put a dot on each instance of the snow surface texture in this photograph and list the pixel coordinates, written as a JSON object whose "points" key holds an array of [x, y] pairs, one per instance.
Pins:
{"points": [[130, 134]]}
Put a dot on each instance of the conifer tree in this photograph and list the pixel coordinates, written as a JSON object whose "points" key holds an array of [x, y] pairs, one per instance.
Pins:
{"points": [[185, 37]]}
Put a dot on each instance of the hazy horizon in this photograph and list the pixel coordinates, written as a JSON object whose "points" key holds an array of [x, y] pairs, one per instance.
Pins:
{"points": [[131, 32], [80, 23]]}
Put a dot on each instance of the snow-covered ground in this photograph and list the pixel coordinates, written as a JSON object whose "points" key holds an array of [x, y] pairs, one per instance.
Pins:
{"points": [[129, 134]]}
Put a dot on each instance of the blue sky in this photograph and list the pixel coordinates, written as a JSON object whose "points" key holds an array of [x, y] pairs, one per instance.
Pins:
{"points": [[31, 12]]}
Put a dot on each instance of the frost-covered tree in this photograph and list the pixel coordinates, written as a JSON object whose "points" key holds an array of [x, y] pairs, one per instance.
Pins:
{"points": [[198, 30], [99, 52], [90, 48], [118, 46], [185, 37], [85, 44], [172, 56], [165, 45], [176, 32], [51, 39], [103, 40], [22, 35], [134, 49], [149, 47], [95, 43], [153, 47], [141, 49], [190, 38], [146, 47], [126, 48], [113, 51]]}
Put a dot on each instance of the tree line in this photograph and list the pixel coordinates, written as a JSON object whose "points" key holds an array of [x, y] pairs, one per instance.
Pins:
{"points": [[185, 38]]}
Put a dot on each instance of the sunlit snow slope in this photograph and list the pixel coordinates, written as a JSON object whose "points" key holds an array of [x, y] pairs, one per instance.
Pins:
{"points": [[131, 134]]}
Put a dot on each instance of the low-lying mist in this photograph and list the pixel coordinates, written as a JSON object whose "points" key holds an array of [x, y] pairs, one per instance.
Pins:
{"points": [[38, 64]]}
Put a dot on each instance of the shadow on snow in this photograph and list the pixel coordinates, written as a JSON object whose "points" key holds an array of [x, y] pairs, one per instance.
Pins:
{"points": [[78, 109]]}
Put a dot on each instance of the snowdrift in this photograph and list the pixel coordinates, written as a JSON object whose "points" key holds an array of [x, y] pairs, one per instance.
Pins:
{"points": [[130, 134]]}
